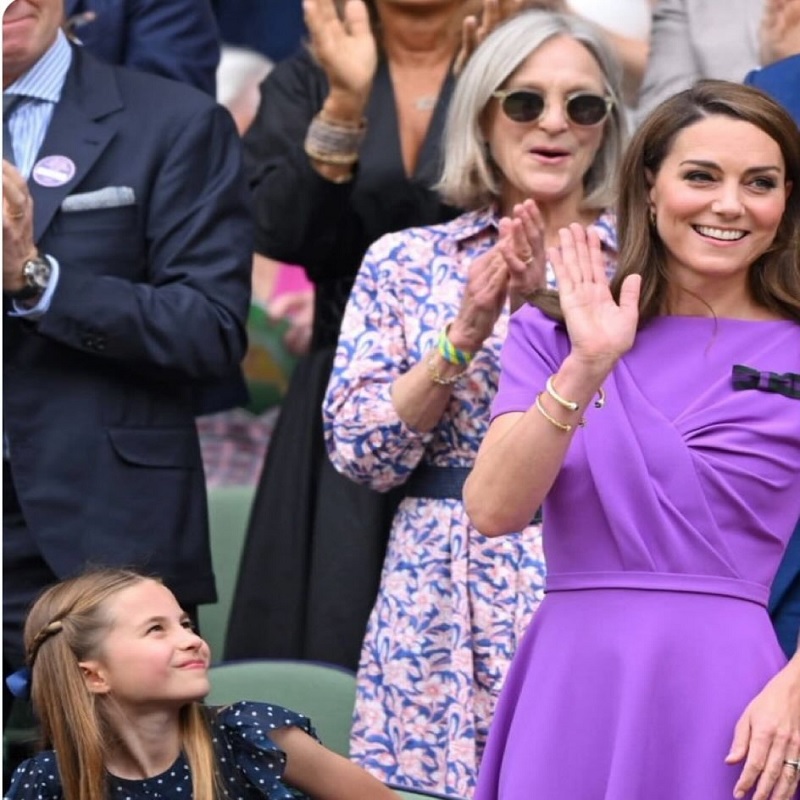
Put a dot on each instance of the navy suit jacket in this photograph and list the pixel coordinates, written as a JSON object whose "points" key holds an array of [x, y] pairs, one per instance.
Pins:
{"points": [[782, 81], [151, 302], [178, 39]]}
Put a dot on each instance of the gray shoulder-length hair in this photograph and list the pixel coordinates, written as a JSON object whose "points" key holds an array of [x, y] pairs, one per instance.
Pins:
{"points": [[469, 179]]}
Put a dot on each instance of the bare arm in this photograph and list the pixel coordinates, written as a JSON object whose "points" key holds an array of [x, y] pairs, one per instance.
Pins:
{"points": [[522, 453], [323, 774]]}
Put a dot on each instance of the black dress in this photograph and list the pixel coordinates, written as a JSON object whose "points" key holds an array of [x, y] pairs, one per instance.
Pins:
{"points": [[250, 764], [315, 545]]}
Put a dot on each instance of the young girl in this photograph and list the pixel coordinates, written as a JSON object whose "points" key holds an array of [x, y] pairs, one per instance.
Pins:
{"points": [[117, 676]]}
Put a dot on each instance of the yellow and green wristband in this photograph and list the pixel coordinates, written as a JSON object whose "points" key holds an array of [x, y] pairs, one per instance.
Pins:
{"points": [[450, 353]]}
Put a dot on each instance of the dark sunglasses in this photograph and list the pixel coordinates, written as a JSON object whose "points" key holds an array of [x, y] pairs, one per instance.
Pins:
{"points": [[581, 108]]}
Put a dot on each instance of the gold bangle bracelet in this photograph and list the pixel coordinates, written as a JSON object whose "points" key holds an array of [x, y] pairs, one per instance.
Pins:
{"points": [[562, 426], [436, 376], [570, 405]]}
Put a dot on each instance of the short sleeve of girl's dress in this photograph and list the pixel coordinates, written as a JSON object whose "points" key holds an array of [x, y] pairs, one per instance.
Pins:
{"points": [[36, 779], [248, 757], [533, 350]]}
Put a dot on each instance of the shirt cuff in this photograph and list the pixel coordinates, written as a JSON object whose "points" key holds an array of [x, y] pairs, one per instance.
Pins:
{"points": [[43, 305]]}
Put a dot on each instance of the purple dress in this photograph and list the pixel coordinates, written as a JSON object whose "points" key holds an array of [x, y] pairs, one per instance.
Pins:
{"points": [[662, 534]]}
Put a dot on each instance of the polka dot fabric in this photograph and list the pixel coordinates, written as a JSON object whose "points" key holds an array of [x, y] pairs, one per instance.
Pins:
{"points": [[250, 763]]}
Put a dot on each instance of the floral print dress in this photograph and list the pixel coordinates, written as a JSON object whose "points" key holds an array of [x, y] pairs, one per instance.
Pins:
{"points": [[452, 604]]}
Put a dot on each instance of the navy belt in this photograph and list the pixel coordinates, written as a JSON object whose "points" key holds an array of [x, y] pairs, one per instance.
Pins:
{"points": [[438, 483], [443, 483]]}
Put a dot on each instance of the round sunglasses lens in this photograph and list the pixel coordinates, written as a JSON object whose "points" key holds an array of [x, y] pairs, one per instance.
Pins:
{"points": [[523, 106], [587, 109]]}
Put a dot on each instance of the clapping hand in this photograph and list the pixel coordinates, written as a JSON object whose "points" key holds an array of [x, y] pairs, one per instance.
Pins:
{"points": [[475, 28], [600, 329], [345, 48], [18, 243], [522, 245], [483, 300]]}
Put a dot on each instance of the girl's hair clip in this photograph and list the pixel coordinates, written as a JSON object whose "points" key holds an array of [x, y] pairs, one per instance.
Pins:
{"points": [[19, 683]]}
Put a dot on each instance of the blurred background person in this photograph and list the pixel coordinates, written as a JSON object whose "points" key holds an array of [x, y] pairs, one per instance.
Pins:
{"points": [[533, 140], [693, 39], [178, 39], [344, 148], [273, 28]]}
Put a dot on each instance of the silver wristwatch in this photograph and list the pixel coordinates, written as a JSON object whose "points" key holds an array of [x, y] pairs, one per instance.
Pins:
{"points": [[36, 272]]}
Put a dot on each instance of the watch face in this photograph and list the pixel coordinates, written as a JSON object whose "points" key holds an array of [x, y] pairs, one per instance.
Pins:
{"points": [[37, 272]]}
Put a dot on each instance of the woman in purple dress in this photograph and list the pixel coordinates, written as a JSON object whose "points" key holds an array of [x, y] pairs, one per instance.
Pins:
{"points": [[660, 417]]}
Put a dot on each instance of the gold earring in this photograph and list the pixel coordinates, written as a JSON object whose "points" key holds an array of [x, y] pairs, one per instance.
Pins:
{"points": [[652, 217]]}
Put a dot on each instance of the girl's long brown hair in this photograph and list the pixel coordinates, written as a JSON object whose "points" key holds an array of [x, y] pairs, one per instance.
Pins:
{"points": [[67, 625]]}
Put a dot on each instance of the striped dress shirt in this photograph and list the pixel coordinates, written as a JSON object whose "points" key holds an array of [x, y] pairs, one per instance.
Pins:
{"points": [[40, 88]]}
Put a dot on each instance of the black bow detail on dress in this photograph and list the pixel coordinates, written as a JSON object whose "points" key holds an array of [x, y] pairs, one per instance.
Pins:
{"points": [[787, 384]]}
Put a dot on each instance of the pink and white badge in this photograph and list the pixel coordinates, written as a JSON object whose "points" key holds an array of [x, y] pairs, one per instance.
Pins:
{"points": [[53, 171]]}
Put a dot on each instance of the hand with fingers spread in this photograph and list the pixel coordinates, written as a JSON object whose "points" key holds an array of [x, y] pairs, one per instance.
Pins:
{"points": [[18, 245], [346, 50], [767, 739], [522, 245], [600, 328], [483, 300]]}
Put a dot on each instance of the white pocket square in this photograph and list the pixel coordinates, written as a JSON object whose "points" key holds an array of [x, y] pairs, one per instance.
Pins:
{"points": [[109, 197]]}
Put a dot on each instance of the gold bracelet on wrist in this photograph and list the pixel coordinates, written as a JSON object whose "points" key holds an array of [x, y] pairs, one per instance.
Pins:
{"points": [[436, 376], [562, 426], [571, 405]]}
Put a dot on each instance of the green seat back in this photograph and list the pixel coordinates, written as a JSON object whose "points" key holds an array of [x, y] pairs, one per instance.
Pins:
{"points": [[325, 694], [228, 515]]}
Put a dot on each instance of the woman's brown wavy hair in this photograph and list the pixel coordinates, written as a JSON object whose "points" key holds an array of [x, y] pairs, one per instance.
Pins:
{"points": [[774, 277]]}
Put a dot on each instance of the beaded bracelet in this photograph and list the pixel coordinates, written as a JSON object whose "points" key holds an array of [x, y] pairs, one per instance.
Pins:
{"points": [[450, 353], [437, 376], [334, 142]]}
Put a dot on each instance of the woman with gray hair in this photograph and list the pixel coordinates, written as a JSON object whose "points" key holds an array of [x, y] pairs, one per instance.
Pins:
{"points": [[533, 137]]}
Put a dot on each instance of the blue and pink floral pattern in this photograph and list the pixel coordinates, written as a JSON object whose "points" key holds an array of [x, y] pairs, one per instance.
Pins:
{"points": [[452, 604]]}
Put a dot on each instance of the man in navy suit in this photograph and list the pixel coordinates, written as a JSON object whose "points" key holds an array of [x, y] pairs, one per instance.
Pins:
{"points": [[178, 39], [126, 279]]}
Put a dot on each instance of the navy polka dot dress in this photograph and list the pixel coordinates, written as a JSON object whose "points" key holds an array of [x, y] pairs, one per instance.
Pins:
{"points": [[250, 763]]}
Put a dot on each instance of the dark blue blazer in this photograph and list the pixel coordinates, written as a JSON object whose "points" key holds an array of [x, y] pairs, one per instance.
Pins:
{"points": [[151, 302], [785, 597], [178, 39], [781, 80]]}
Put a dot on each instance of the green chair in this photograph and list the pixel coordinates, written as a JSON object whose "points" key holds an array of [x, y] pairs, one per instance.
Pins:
{"points": [[325, 693], [228, 515], [407, 794]]}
